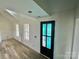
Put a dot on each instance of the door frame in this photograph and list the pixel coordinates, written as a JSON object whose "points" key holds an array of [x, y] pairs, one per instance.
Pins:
{"points": [[52, 41]]}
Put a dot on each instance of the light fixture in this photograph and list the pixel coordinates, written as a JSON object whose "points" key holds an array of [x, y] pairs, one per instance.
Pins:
{"points": [[29, 11], [11, 12]]}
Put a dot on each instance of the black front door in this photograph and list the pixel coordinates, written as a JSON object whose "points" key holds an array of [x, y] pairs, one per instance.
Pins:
{"points": [[47, 38]]}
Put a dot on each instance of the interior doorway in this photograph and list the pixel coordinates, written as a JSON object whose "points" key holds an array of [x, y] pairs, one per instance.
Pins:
{"points": [[47, 38]]}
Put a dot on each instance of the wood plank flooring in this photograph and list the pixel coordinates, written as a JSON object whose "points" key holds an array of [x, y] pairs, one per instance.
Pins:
{"points": [[12, 49]]}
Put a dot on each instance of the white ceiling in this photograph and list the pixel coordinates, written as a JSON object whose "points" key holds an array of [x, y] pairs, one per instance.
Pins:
{"points": [[23, 6], [52, 6]]}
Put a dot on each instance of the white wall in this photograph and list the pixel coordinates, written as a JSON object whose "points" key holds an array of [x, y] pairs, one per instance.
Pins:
{"points": [[5, 28], [34, 30], [63, 34]]}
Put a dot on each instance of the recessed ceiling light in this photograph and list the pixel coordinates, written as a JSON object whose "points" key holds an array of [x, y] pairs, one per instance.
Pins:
{"points": [[29, 11], [39, 16]]}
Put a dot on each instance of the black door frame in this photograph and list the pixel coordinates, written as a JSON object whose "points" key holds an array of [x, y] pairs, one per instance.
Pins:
{"points": [[44, 50]]}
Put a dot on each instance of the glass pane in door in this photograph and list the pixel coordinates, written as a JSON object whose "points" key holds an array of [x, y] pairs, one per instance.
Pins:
{"points": [[49, 42], [49, 29], [44, 41], [44, 29]]}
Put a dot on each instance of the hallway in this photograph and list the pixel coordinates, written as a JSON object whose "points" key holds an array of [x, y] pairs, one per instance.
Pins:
{"points": [[12, 49]]}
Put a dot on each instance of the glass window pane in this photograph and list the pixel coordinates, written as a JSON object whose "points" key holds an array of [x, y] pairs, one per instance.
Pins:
{"points": [[49, 28], [0, 37], [17, 30], [49, 42], [26, 31], [26, 27], [44, 41], [44, 29]]}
